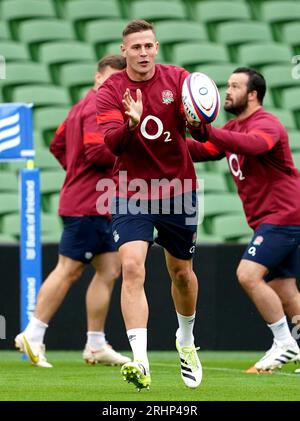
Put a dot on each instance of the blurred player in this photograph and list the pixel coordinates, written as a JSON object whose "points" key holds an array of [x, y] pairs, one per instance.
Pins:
{"points": [[140, 113], [86, 238], [256, 146]]}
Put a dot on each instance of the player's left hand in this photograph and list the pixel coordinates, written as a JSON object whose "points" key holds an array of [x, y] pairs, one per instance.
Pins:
{"points": [[192, 122]]}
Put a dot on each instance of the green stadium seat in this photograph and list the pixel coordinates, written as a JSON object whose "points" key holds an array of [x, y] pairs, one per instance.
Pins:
{"points": [[218, 72], [290, 35], [16, 11], [153, 11], [9, 202], [4, 32], [294, 140], [171, 32], [41, 95], [81, 11], [230, 227], [51, 237], [8, 182], [257, 55], [46, 161], [276, 13], [296, 159], [285, 116], [204, 238], [76, 75], [101, 32], [49, 224], [54, 203], [23, 74], [195, 53], [57, 53], [81, 92], [14, 51], [34, 32], [278, 76], [51, 182], [38, 140], [290, 101], [212, 182], [221, 166], [245, 239], [234, 34], [48, 119], [7, 239]]}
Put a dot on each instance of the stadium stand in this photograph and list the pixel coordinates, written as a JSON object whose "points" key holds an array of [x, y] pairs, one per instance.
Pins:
{"points": [[51, 48]]}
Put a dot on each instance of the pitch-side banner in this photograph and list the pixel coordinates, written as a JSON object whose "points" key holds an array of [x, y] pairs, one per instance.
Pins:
{"points": [[30, 258], [16, 140]]}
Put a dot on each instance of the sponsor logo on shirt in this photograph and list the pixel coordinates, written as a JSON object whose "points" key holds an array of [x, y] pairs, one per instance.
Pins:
{"points": [[167, 96]]}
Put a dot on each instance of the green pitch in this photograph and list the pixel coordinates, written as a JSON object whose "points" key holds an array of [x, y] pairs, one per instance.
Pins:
{"points": [[71, 379]]}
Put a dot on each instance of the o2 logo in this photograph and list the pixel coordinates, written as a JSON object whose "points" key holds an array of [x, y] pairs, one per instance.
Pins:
{"points": [[160, 129], [235, 167]]}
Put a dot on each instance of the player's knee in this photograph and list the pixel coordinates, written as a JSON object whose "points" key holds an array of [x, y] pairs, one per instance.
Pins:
{"points": [[182, 278], [132, 269], [246, 279]]}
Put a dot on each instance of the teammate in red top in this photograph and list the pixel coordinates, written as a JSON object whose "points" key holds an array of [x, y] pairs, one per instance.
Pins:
{"points": [[140, 113], [86, 238], [256, 146]]}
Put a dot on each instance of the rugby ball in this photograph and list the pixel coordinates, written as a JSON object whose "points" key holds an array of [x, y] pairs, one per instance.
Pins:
{"points": [[200, 97]]}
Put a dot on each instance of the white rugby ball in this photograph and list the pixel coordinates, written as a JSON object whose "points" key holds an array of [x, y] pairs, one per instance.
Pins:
{"points": [[200, 97]]}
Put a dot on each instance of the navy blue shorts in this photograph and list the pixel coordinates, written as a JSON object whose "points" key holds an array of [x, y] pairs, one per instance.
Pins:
{"points": [[276, 247], [176, 228], [84, 237]]}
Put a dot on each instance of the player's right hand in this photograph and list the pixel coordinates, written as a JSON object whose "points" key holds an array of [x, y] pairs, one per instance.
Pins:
{"points": [[134, 109]]}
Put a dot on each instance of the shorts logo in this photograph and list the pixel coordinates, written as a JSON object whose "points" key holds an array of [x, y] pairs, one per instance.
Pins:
{"points": [[258, 240], [116, 236], [192, 249], [167, 96], [88, 255], [194, 237], [252, 251]]}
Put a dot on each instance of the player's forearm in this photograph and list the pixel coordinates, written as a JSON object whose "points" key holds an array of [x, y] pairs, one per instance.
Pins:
{"points": [[198, 133], [201, 152], [117, 138], [99, 155], [241, 143]]}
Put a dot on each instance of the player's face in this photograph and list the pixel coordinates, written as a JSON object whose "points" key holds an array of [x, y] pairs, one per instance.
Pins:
{"points": [[140, 49], [236, 100]]}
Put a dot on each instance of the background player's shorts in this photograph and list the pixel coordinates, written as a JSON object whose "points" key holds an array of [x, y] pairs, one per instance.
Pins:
{"points": [[176, 231], [84, 237], [276, 247]]}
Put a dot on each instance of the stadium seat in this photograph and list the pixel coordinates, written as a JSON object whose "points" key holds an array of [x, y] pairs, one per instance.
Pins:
{"points": [[49, 224], [257, 55], [34, 32], [41, 95], [48, 119], [230, 227], [296, 159], [51, 237], [16, 11], [81, 92], [23, 74], [290, 35], [204, 238], [56, 53], [171, 32], [76, 75], [194, 53], [8, 182], [38, 140], [14, 51], [212, 182], [276, 13], [101, 32], [153, 11], [51, 182], [294, 140], [46, 161], [7, 239], [4, 32], [81, 11], [54, 203], [290, 101], [234, 34], [9, 202], [218, 72], [278, 76]]}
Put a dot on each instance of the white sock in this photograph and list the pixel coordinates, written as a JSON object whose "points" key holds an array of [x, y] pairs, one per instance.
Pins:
{"points": [[185, 332], [96, 340], [35, 330], [138, 342], [281, 331]]}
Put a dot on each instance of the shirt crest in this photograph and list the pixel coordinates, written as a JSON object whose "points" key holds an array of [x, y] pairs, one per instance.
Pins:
{"points": [[167, 96]]}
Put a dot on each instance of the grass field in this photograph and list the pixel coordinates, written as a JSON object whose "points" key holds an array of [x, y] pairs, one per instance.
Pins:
{"points": [[73, 380]]}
